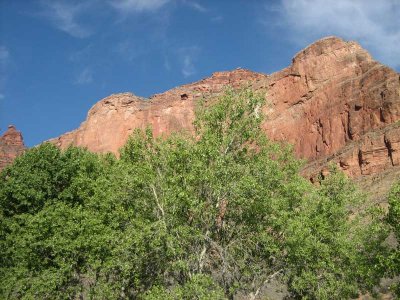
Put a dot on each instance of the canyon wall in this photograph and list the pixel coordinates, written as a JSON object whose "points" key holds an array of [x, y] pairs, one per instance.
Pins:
{"points": [[334, 103]]}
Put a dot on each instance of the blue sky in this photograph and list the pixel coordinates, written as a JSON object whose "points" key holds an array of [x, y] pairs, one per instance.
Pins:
{"points": [[58, 58]]}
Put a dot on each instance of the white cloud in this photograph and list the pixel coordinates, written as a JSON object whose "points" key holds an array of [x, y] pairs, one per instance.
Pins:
{"points": [[188, 56], [195, 5], [137, 5], [64, 15], [375, 24], [85, 77], [188, 68]]}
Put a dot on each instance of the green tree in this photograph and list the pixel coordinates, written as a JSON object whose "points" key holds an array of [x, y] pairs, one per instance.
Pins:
{"points": [[53, 230], [335, 242], [222, 197], [199, 287], [393, 260], [187, 216]]}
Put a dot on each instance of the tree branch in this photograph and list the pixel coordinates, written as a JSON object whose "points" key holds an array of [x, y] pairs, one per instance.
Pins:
{"points": [[270, 277]]}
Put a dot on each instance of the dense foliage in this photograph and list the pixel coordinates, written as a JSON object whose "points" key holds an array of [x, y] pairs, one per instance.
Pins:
{"points": [[394, 221], [203, 216]]}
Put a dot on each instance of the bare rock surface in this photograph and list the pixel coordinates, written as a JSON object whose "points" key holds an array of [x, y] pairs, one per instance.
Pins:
{"points": [[11, 145], [110, 122], [334, 103]]}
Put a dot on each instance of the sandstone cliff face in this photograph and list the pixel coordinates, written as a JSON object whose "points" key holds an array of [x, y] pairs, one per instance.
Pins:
{"points": [[11, 145], [110, 122], [332, 96], [334, 103]]}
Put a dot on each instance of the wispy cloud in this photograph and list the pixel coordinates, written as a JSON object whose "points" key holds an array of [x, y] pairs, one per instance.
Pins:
{"points": [[84, 77], [195, 5], [4, 59], [129, 49], [64, 16], [127, 6], [82, 55], [375, 24], [188, 57], [217, 19], [188, 68], [167, 64], [4, 55]]}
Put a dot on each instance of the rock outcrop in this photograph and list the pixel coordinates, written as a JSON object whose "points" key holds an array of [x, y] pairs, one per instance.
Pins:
{"points": [[334, 103], [110, 122], [11, 145]]}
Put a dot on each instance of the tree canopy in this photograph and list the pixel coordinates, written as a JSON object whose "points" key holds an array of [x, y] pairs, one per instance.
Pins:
{"points": [[208, 215], [393, 219]]}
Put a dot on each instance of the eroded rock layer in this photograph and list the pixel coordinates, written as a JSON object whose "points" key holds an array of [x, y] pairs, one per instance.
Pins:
{"points": [[334, 103], [11, 145]]}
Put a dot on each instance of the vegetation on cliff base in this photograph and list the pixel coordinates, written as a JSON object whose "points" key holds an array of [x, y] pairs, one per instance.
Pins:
{"points": [[186, 217], [394, 220]]}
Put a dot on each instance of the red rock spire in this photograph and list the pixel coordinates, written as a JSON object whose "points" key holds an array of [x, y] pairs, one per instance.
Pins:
{"points": [[11, 145]]}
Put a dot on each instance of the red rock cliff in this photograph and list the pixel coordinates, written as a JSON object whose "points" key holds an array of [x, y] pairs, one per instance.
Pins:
{"points": [[334, 103], [11, 145]]}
